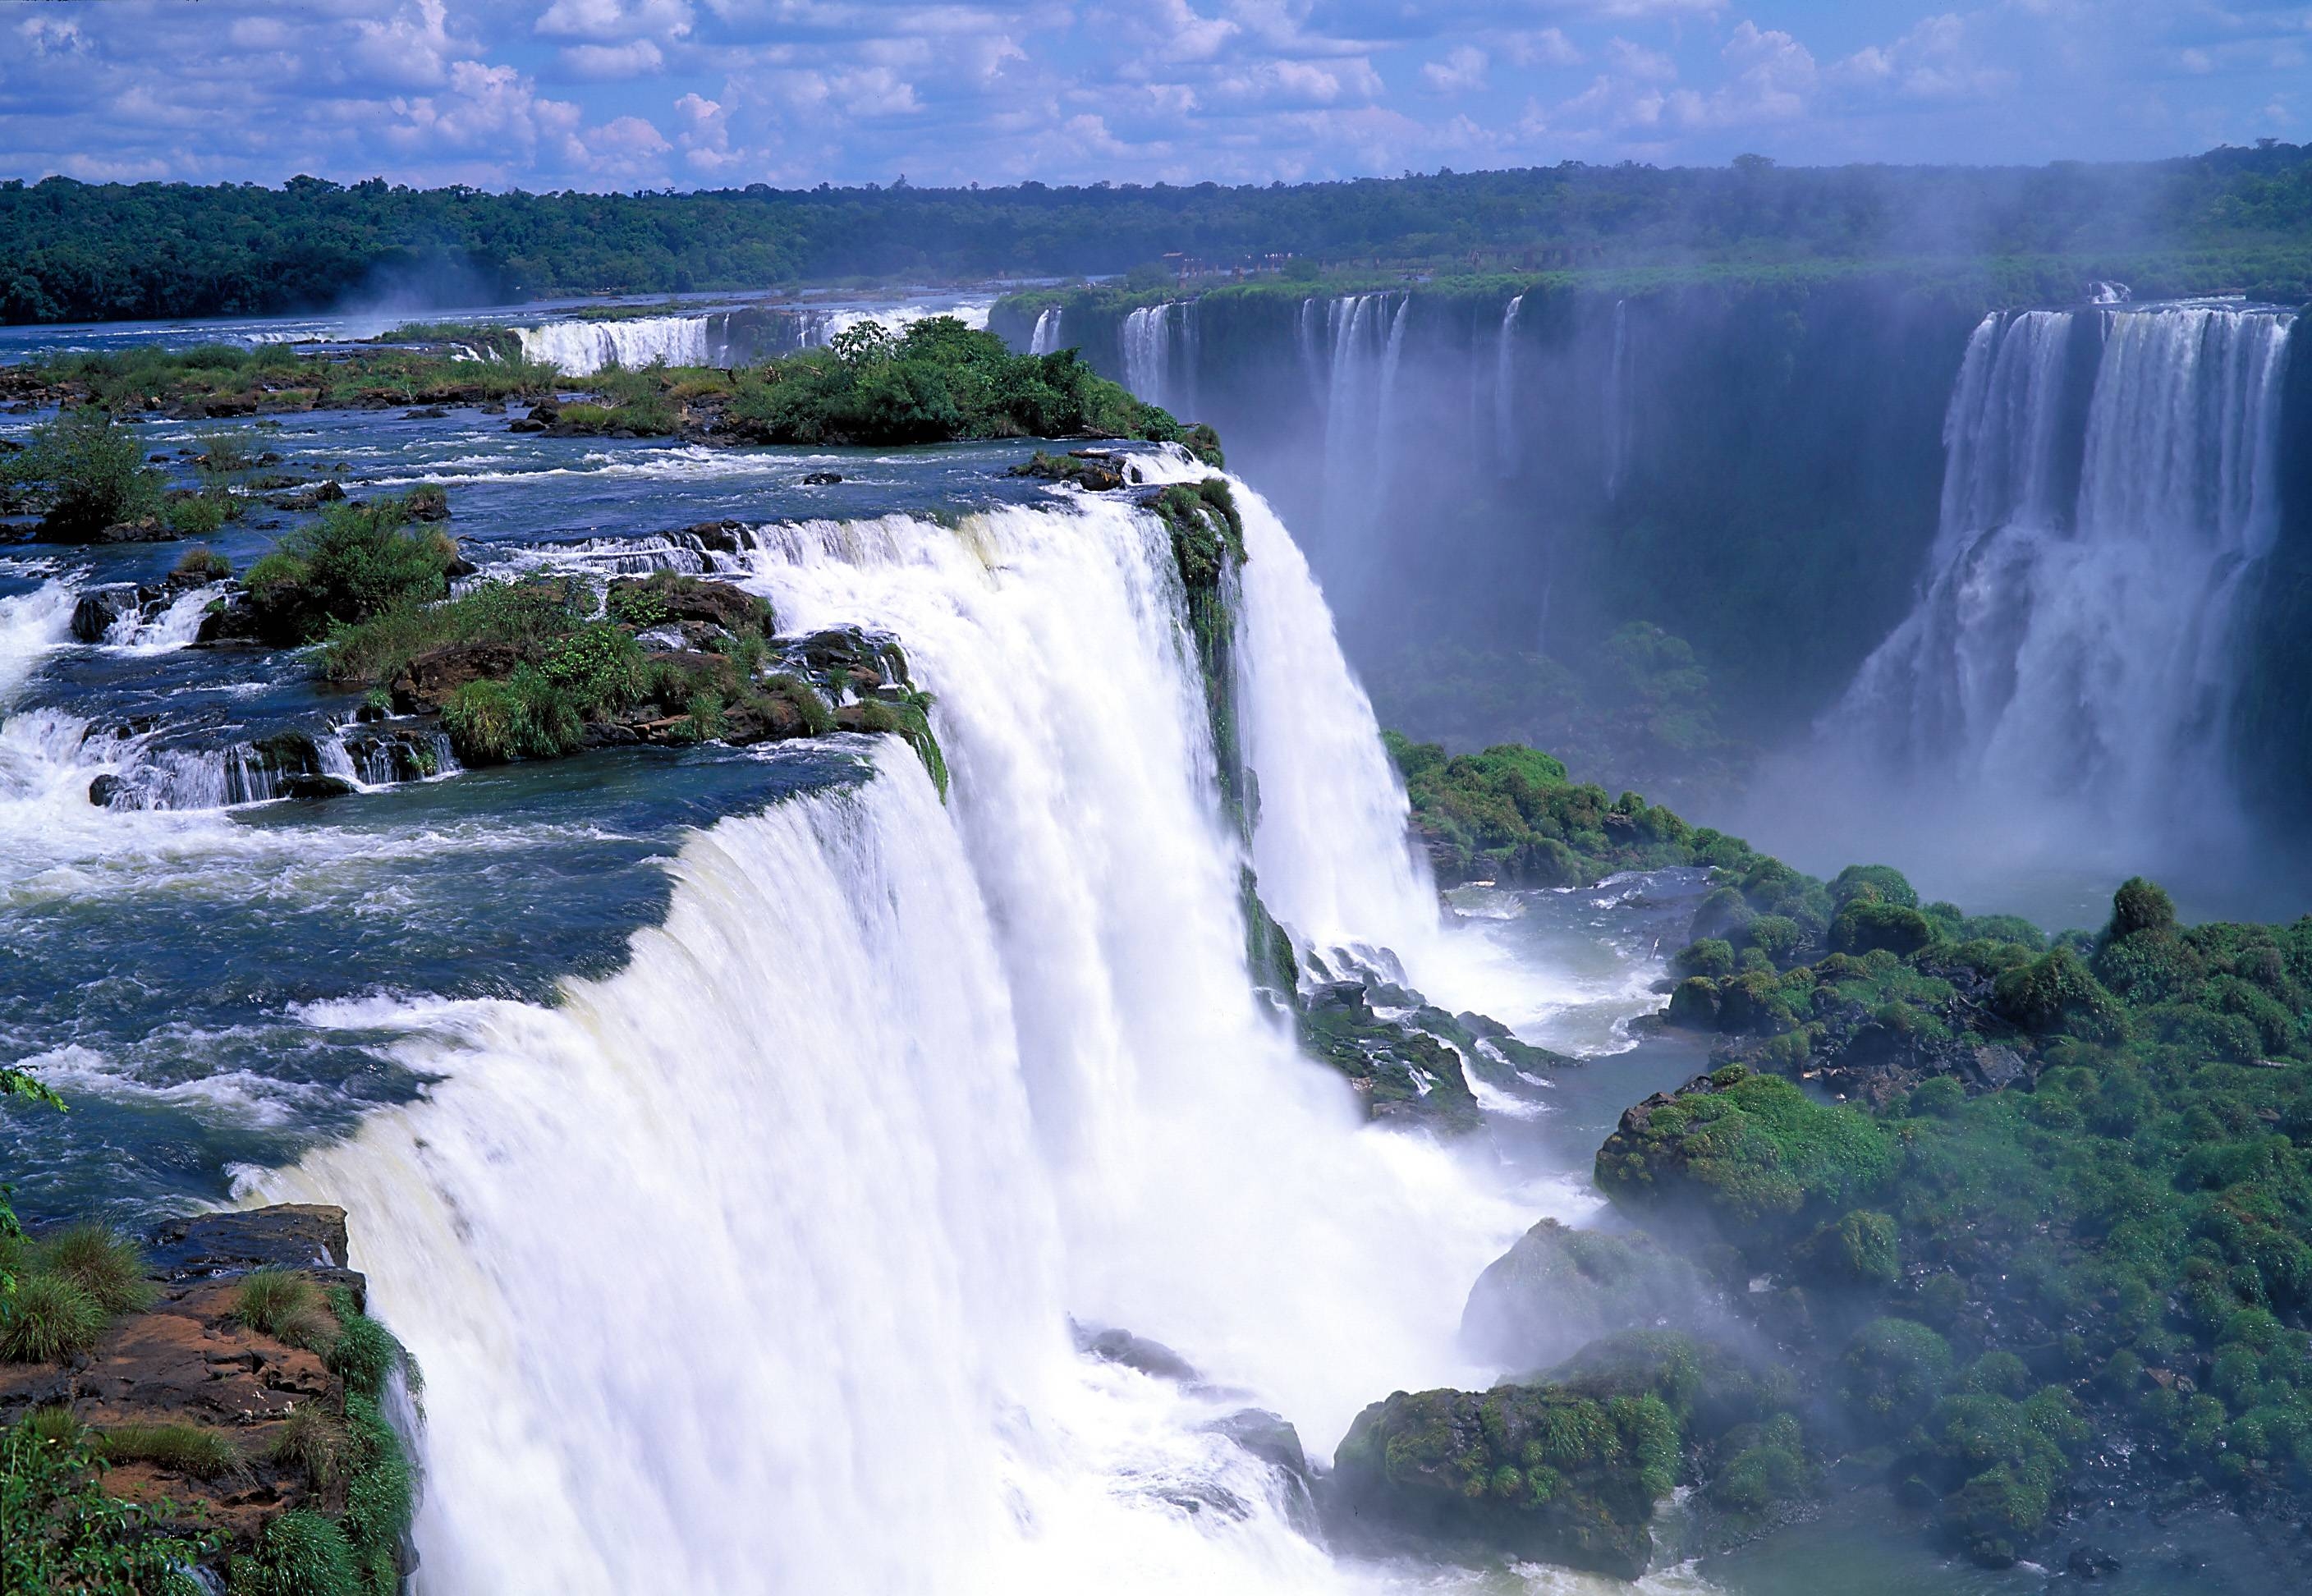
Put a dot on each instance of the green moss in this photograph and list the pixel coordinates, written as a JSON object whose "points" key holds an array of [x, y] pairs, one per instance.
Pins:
{"points": [[1891, 1374]]}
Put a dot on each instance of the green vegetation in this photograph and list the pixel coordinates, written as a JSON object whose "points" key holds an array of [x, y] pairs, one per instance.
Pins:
{"points": [[939, 380], [95, 252], [48, 1318], [59, 1530], [62, 1290], [286, 1305], [357, 562], [1510, 814], [188, 1449], [105, 1264], [87, 472]]}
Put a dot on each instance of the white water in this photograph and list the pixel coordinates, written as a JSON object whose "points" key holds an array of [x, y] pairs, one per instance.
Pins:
{"points": [[1505, 441], [1046, 337], [582, 348], [2071, 656], [1158, 345], [1620, 426], [749, 1267]]}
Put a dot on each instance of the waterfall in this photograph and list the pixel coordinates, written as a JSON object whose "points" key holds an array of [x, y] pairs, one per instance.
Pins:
{"points": [[752, 1266], [1505, 444], [1368, 343], [1159, 346], [1620, 426], [582, 348], [1046, 338], [2073, 641]]}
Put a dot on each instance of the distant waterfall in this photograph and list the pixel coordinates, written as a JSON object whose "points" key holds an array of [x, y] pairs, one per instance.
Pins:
{"points": [[1620, 429], [1505, 444], [752, 1266], [1366, 340], [1046, 338], [2103, 505], [1158, 346], [582, 348]]}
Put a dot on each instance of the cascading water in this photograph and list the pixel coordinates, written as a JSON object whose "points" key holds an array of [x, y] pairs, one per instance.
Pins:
{"points": [[1620, 428], [1046, 337], [751, 1266], [582, 348], [1158, 345], [1505, 439], [2071, 652]]}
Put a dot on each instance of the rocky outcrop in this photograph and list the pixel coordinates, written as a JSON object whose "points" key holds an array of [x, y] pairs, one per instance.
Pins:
{"points": [[222, 1406], [1558, 1289]]}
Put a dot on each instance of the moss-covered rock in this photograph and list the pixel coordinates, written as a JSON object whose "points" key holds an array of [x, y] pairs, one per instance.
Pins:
{"points": [[1558, 1289]]}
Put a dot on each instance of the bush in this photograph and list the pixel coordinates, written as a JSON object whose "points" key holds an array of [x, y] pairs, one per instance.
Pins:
{"points": [[1891, 1374], [298, 1554], [2139, 906], [106, 1265], [313, 1441], [89, 469], [1872, 883], [2055, 993], [59, 1531], [1866, 924], [357, 561], [194, 517], [48, 1318], [202, 564]]}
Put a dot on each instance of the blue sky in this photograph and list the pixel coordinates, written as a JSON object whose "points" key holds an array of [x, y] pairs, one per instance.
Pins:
{"points": [[629, 93]]}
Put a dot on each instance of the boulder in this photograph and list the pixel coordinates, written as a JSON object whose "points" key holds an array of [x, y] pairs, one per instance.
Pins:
{"points": [[100, 606], [821, 479], [429, 679], [1558, 1289], [1152, 1358], [1268, 1436]]}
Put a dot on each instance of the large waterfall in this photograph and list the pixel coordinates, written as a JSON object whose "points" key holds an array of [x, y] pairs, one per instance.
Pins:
{"points": [[580, 348], [2108, 492], [1159, 348], [752, 1266]]}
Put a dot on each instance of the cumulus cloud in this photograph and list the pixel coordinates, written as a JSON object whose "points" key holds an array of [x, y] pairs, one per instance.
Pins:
{"points": [[635, 58], [1463, 69], [1547, 47], [1937, 59]]}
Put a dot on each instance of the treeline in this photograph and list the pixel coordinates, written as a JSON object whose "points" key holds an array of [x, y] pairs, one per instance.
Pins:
{"points": [[75, 251]]}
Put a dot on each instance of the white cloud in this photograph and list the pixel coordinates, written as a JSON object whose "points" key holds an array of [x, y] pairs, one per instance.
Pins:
{"points": [[613, 61], [1548, 48], [1635, 60], [1937, 59], [48, 36], [1463, 70], [615, 20], [1772, 74]]}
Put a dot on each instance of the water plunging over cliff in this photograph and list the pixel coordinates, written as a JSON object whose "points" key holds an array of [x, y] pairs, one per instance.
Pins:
{"points": [[2109, 488], [1158, 346], [580, 348], [752, 1266], [1046, 338]]}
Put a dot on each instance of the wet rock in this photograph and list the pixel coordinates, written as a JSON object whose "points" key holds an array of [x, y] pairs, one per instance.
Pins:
{"points": [[1152, 1358], [100, 606], [425, 413], [718, 536], [103, 790], [717, 605], [2092, 1563], [148, 528], [287, 1236], [317, 787], [1558, 1289], [1267, 1436], [821, 479]]}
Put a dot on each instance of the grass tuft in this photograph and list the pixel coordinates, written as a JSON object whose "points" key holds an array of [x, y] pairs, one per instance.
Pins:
{"points": [[188, 1449], [287, 1307], [48, 1318], [102, 1262]]}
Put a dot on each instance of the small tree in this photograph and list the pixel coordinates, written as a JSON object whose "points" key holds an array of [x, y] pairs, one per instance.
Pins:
{"points": [[92, 471]]}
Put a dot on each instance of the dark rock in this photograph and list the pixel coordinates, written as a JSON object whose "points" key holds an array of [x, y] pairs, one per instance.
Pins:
{"points": [[719, 537], [433, 676], [715, 604], [316, 787], [425, 413], [230, 619], [821, 479], [288, 1236], [1152, 1358], [103, 790], [100, 606], [1267, 1436], [428, 500], [2092, 1562], [149, 528]]}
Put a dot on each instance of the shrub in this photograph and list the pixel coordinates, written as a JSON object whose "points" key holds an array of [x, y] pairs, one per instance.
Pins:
{"points": [[1867, 923], [188, 1449], [299, 1552], [2139, 906], [106, 1265], [313, 1441], [2055, 993], [364, 1353], [194, 517], [90, 470], [1891, 1372], [1873, 883], [287, 1306], [59, 1531], [200, 562], [1713, 956], [355, 561], [48, 1318]]}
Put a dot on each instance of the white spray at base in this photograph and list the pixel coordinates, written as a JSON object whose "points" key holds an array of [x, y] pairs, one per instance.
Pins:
{"points": [[750, 1269]]}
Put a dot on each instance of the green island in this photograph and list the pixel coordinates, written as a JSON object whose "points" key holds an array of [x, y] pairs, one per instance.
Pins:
{"points": [[1992, 1217]]}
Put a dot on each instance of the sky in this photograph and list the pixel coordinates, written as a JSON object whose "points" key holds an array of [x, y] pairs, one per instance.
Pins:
{"points": [[624, 94]]}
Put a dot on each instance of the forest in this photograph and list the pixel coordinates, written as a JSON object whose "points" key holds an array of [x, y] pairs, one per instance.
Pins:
{"points": [[74, 252]]}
